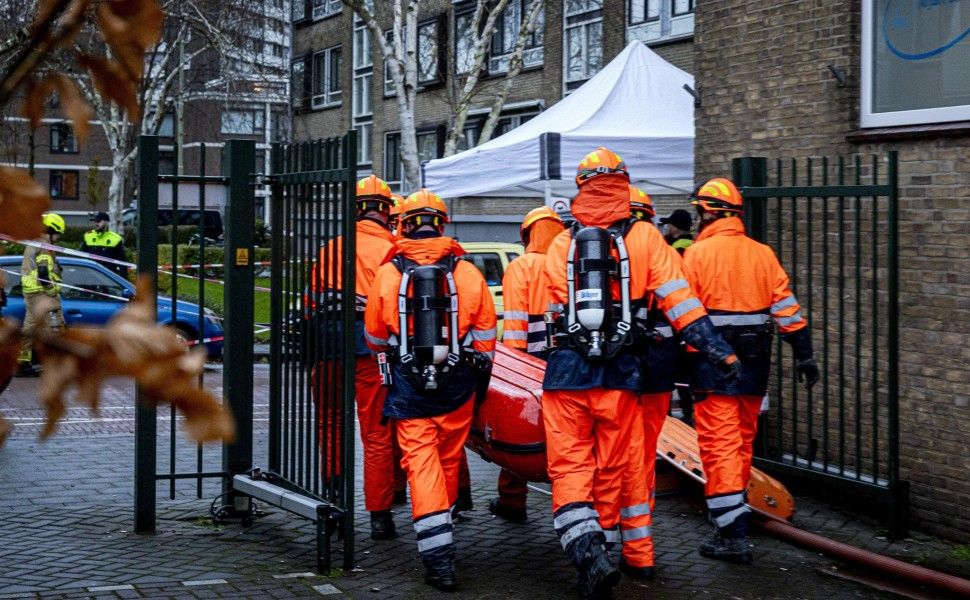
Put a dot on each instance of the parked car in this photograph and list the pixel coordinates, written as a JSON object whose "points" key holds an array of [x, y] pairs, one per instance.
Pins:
{"points": [[492, 258], [96, 294], [212, 225]]}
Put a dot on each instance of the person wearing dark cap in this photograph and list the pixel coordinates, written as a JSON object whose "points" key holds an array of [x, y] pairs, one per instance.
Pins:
{"points": [[677, 230], [104, 242]]}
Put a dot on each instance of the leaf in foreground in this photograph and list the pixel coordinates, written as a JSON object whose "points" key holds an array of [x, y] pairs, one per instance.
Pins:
{"points": [[22, 202], [131, 344]]}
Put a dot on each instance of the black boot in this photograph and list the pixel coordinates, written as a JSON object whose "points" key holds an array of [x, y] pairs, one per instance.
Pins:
{"points": [[730, 549], [464, 501], [441, 575], [512, 515], [638, 573], [25, 369], [597, 576], [382, 525], [400, 497]]}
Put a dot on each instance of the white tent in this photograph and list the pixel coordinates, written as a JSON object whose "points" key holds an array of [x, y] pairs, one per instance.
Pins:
{"points": [[637, 106]]}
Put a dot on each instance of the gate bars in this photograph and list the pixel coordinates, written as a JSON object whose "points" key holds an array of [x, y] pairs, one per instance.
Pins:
{"points": [[834, 226], [311, 420]]}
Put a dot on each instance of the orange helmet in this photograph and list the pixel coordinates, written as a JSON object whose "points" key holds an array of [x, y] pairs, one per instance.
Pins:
{"points": [[397, 200], [424, 207], [373, 194], [600, 162], [641, 206], [718, 195], [537, 214]]}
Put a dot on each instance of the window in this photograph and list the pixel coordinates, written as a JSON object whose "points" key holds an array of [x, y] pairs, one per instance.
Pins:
{"points": [[363, 57], [464, 44], [507, 33], [913, 63], [325, 8], [392, 160], [428, 145], [298, 10], [326, 78], [364, 133], [489, 264], [507, 124], [659, 20], [62, 139], [243, 122], [641, 11], [362, 112], [362, 92], [428, 52], [166, 128], [298, 83], [89, 284], [63, 185], [583, 41], [388, 77]]}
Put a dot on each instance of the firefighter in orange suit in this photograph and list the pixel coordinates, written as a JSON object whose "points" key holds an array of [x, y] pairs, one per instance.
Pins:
{"points": [[436, 355], [601, 271], [526, 296], [744, 288], [374, 242]]}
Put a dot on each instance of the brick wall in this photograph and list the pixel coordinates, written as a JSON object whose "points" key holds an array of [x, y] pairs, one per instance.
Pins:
{"points": [[766, 91], [679, 53]]}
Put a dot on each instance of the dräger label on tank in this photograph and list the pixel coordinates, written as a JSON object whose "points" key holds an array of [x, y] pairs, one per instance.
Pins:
{"points": [[589, 295]]}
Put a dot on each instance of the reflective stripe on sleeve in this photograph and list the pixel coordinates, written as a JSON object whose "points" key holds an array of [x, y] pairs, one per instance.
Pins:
{"points": [[670, 287], [682, 308], [515, 335], [376, 341], [783, 304], [786, 321], [635, 511], [725, 501], [739, 320], [442, 539], [483, 335], [516, 315], [638, 533], [536, 346], [612, 535]]}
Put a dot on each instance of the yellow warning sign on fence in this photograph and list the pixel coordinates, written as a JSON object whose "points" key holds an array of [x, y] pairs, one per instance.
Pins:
{"points": [[242, 257]]}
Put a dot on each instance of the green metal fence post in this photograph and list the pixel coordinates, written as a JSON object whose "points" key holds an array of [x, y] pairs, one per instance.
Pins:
{"points": [[349, 161], [752, 171], [145, 431], [237, 373]]}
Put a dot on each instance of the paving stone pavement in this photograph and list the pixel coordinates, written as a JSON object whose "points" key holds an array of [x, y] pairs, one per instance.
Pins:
{"points": [[66, 516]]}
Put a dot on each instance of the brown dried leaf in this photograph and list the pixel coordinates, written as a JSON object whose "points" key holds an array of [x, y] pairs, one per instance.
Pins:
{"points": [[44, 10], [75, 107], [71, 23], [113, 83], [5, 428], [129, 27], [38, 90], [144, 16], [134, 345], [9, 347], [22, 201]]}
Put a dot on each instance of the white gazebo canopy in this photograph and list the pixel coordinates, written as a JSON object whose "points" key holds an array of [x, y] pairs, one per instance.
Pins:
{"points": [[638, 105]]}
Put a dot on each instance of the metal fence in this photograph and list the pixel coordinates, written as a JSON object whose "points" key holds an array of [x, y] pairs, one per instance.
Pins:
{"points": [[208, 469], [311, 430], [834, 226]]}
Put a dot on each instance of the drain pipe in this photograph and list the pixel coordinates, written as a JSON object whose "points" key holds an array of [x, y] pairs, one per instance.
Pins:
{"points": [[890, 566]]}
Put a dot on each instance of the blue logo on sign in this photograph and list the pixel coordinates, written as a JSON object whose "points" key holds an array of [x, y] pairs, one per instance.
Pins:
{"points": [[903, 22]]}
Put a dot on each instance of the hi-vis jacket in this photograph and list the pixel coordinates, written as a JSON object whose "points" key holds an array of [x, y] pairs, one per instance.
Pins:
{"points": [[31, 276], [476, 327], [107, 244], [744, 288], [525, 292], [374, 244], [653, 269]]}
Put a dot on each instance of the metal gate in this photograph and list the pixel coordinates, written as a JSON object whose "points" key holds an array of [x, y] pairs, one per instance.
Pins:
{"points": [[209, 469], [311, 420], [834, 226]]}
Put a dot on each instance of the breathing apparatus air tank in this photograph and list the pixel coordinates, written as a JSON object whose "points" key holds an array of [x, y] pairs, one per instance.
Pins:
{"points": [[593, 301]]}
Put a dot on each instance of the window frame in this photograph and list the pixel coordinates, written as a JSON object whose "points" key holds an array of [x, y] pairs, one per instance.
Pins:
{"points": [[327, 11], [258, 121], [533, 55], [60, 173], [61, 148], [666, 27], [646, 18], [330, 98], [299, 102], [391, 169], [439, 38], [581, 21]]}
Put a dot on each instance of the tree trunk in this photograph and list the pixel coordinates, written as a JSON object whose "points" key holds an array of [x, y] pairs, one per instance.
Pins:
{"points": [[116, 190]]}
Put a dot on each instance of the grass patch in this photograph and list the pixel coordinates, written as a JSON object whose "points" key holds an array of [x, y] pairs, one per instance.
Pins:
{"points": [[188, 289], [961, 553]]}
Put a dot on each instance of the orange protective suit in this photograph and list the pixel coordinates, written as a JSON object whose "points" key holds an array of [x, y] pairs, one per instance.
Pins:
{"points": [[432, 425], [590, 409], [374, 242], [744, 287]]}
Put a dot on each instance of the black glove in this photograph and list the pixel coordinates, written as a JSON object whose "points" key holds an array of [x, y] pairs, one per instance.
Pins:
{"points": [[808, 372], [478, 361], [730, 371]]}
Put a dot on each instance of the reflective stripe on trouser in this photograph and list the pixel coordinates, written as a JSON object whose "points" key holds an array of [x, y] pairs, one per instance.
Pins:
{"points": [[726, 427], [31, 322], [432, 451], [512, 490], [435, 535], [326, 387], [376, 438], [635, 517], [587, 443], [574, 521]]}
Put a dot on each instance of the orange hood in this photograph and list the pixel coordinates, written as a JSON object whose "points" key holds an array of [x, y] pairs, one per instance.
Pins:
{"points": [[541, 234], [427, 250], [602, 201], [722, 226]]}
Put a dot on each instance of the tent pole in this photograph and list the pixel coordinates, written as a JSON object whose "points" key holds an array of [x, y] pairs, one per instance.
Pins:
{"points": [[547, 192]]}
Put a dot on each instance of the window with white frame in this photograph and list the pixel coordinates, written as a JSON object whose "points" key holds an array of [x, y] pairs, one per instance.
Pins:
{"points": [[388, 75], [508, 123], [298, 83], [326, 78], [507, 33], [325, 8], [363, 57], [243, 122], [362, 111], [364, 133], [298, 10], [659, 20], [428, 52], [166, 128], [428, 145], [464, 41], [914, 63], [582, 40], [362, 94], [62, 139], [392, 160], [63, 185]]}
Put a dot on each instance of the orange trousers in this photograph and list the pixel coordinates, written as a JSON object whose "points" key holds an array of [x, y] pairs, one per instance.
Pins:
{"points": [[726, 428], [376, 437], [326, 386], [513, 491], [432, 448], [588, 437]]}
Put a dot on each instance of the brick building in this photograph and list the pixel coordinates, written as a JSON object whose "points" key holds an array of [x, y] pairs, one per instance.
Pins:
{"points": [[897, 81], [338, 78]]}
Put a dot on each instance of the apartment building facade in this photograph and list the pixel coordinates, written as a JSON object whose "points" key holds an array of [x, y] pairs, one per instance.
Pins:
{"points": [[339, 81]]}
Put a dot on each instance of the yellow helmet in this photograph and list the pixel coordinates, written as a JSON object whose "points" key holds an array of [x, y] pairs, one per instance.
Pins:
{"points": [[54, 222]]}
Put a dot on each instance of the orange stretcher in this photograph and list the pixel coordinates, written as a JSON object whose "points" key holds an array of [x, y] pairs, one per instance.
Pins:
{"points": [[508, 431]]}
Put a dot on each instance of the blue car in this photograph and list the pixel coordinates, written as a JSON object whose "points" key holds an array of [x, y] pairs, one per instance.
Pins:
{"points": [[96, 294]]}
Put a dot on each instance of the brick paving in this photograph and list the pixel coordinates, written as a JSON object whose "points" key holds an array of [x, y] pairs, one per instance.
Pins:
{"points": [[66, 514]]}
